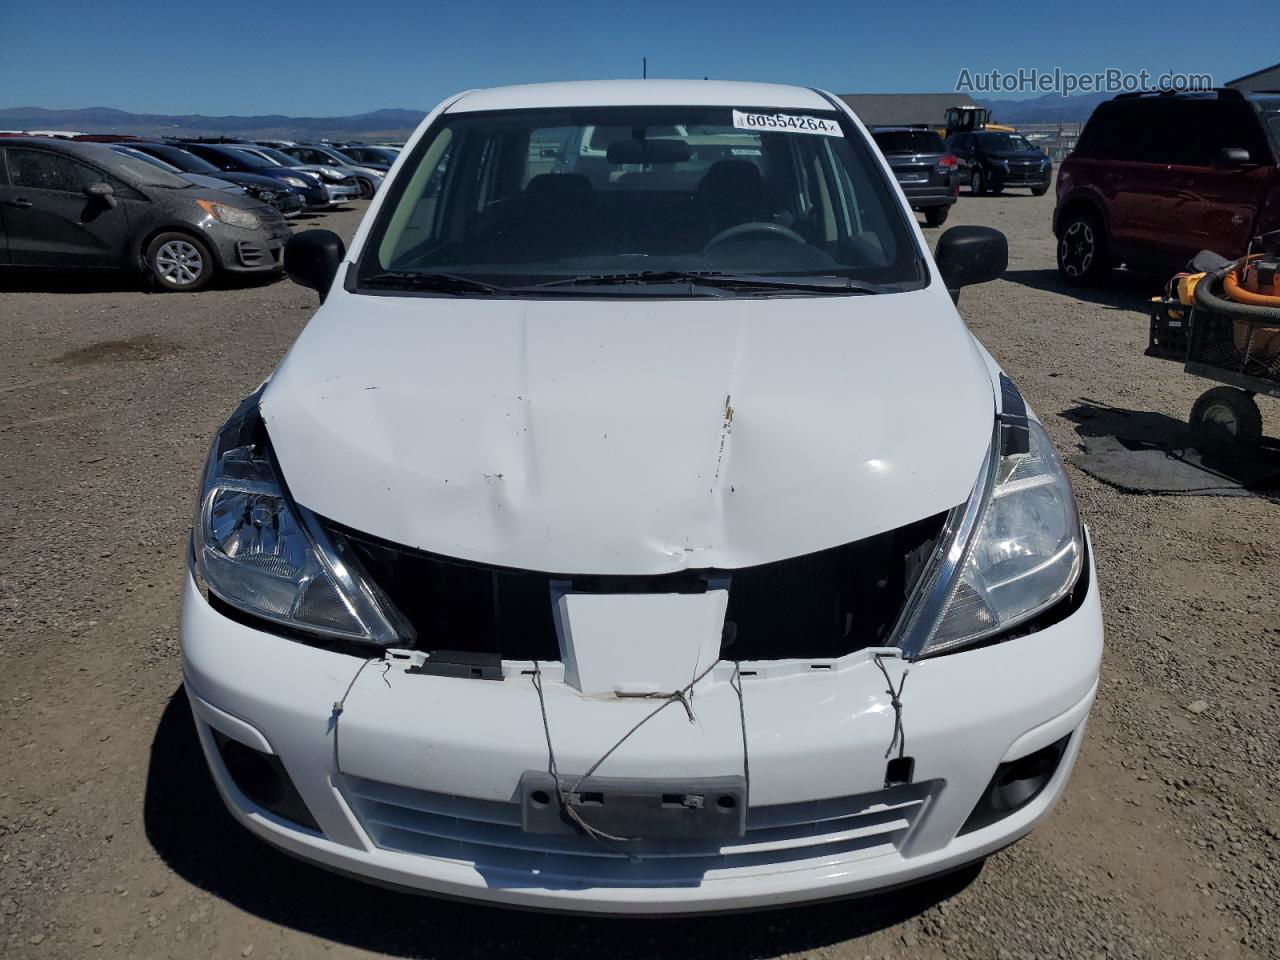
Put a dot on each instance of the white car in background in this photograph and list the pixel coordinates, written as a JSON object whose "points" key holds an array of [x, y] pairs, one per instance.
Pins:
{"points": [[649, 538]]}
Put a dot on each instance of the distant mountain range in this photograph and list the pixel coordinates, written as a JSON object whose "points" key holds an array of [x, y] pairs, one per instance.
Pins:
{"points": [[1050, 108], [396, 124], [379, 125]]}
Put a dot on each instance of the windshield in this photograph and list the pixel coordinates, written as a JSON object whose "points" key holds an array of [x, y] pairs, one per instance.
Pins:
{"points": [[250, 158], [146, 173], [186, 162], [146, 158], [1273, 122], [1004, 142], [909, 141], [526, 197], [275, 156], [369, 155]]}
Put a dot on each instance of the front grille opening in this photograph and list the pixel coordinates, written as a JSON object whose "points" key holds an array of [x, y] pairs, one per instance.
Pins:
{"points": [[819, 606]]}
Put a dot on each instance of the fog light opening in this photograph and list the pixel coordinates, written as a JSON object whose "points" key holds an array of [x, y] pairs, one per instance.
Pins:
{"points": [[1015, 784], [262, 778]]}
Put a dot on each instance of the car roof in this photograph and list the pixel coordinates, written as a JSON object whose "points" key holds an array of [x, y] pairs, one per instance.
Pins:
{"points": [[641, 93], [89, 150]]}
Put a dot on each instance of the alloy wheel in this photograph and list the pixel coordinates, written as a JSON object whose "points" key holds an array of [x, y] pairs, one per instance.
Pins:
{"points": [[179, 263], [1077, 248]]}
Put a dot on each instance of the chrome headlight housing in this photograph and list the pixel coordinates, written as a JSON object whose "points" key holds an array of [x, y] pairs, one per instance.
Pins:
{"points": [[232, 216], [1010, 553], [266, 556]]}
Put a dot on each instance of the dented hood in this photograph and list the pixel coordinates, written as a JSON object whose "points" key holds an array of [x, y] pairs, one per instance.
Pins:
{"points": [[632, 435]]}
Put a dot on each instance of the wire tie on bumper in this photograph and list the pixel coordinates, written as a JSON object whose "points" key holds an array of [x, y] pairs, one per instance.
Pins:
{"points": [[683, 696], [899, 739]]}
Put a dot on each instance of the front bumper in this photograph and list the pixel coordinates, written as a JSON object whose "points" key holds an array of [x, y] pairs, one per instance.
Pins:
{"points": [[1037, 179], [251, 251], [342, 193], [412, 781]]}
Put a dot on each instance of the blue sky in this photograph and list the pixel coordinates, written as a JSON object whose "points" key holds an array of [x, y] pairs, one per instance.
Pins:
{"points": [[326, 58]]}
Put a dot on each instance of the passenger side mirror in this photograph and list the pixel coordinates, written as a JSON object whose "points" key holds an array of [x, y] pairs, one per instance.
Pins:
{"points": [[312, 258], [968, 255], [1232, 158], [102, 191]]}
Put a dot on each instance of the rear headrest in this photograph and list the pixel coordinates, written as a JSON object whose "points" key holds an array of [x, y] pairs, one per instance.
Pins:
{"points": [[741, 177], [547, 183]]}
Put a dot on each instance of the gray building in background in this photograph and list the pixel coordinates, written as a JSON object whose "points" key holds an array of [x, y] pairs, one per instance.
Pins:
{"points": [[893, 109], [1268, 79]]}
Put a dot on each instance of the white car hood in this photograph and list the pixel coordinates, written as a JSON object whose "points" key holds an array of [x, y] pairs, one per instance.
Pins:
{"points": [[633, 435]]}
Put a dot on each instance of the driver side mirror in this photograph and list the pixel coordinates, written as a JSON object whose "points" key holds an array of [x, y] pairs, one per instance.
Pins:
{"points": [[1232, 158], [968, 255], [312, 258], [103, 192]]}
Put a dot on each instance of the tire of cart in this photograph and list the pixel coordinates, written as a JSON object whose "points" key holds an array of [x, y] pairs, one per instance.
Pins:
{"points": [[1225, 419]]}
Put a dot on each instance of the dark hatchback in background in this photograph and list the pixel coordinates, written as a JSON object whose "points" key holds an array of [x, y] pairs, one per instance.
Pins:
{"points": [[285, 198], [925, 168], [231, 160], [66, 205], [1156, 178], [992, 161]]}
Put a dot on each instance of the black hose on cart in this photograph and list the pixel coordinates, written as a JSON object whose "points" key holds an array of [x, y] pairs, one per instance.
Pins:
{"points": [[1206, 299]]}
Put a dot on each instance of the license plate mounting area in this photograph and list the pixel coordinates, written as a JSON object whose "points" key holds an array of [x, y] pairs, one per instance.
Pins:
{"points": [[702, 809]]}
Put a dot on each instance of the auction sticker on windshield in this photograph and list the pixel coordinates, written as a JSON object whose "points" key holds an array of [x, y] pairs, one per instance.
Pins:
{"points": [[786, 123]]}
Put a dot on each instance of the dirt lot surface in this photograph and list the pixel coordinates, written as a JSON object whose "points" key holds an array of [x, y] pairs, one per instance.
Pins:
{"points": [[113, 843]]}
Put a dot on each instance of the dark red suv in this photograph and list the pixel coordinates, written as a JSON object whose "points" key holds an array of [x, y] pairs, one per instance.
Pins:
{"points": [[1156, 178]]}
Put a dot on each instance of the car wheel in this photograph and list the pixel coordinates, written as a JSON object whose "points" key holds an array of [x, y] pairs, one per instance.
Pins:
{"points": [[366, 187], [977, 182], [1225, 419], [1082, 250], [1039, 191], [179, 261], [936, 216]]}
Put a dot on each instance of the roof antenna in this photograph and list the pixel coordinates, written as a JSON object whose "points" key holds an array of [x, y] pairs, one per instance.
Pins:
{"points": [[644, 68]]}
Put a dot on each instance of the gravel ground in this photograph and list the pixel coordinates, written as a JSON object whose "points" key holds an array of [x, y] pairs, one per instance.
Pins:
{"points": [[113, 844]]}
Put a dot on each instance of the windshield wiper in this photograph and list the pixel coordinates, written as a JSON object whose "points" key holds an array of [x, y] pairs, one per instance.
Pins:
{"points": [[723, 281], [433, 282]]}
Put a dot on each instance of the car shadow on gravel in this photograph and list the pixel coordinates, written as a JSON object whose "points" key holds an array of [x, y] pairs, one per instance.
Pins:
{"points": [[1121, 290], [118, 281], [192, 832]]}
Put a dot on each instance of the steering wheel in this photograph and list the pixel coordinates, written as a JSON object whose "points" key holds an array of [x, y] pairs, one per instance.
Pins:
{"points": [[757, 226]]}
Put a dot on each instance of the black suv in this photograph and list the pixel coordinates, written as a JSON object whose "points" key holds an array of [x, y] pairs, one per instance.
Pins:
{"points": [[925, 169], [1156, 178], [991, 160]]}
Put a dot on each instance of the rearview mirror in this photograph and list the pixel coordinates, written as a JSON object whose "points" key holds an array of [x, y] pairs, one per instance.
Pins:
{"points": [[648, 151], [312, 258], [1232, 158], [968, 255], [102, 191]]}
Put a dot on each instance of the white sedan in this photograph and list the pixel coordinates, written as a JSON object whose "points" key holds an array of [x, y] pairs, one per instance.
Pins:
{"points": [[636, 527]]}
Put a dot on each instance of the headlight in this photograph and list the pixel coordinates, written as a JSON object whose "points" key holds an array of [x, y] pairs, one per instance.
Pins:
{"points": [[1016, 550], [261, 553], [232, 216], [295, 182], [329, 173]]}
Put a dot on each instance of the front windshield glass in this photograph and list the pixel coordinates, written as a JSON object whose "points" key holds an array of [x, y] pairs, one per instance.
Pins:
{"points": [[527, 197], [146, 173], [146, 158], [250, 158], [184, 161], [1004, 142], [275, 156]]}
